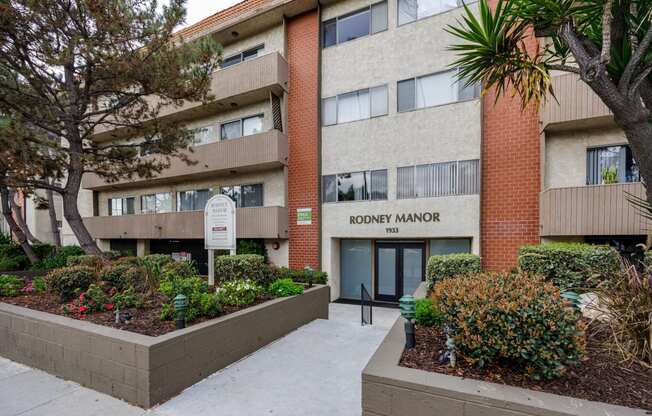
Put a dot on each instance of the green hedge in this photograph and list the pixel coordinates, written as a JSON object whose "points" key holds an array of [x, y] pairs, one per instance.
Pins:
{"points": [[242, 267], [574, 266], [301, 275], [449, 265]]}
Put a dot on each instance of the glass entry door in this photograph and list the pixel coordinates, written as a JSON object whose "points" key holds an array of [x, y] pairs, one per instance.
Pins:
{"points": [[399, 269]]}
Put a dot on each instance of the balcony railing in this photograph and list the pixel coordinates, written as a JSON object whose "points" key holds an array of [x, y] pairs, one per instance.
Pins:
{"points": [[260, 222], [245, 83], [250, 153], [575, 107], [592, 210]]}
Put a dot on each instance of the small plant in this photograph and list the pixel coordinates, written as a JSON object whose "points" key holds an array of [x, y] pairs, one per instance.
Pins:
{"points": [[128, 298], [11, 285], [243, 266], [37, 285], [94, 300], [301, 276], [58, 259], [238, 292], [67, 282], [196, 290], [153, 268], [13, 263], [209, 305], [609, 175], [449, 265], [177, 269], [427, 313], [116, 275], [95, 262], [519, 318], [284, 287]]}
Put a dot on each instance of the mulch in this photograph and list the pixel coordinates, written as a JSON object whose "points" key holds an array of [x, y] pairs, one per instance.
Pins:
{"points": [[601, 377], [145, 320]]}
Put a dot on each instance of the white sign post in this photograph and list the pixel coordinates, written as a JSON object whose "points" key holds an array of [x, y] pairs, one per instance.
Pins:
{"points": [[219, 230]]}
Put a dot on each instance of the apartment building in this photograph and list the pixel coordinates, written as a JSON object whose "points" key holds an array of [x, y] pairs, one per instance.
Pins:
{"points": [[343, 135]]}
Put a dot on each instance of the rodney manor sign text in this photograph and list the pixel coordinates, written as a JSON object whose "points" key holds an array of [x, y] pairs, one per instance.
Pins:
{"points": [[416, 217]]}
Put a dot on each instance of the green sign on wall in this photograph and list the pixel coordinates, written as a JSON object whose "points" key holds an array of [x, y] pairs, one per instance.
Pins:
{"points": [[304, 216]]}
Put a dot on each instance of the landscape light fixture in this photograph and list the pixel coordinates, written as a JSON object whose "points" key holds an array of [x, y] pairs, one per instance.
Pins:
{"points": [[407, 305], [180, 305]]}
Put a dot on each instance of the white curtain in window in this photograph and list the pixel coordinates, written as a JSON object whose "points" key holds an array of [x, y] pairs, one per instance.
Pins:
{"points": [[252, 125], [353, 106], [436, 89], [378, 101], [329, 111]]}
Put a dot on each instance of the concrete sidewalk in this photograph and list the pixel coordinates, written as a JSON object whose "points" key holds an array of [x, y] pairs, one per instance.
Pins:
{"points": [[314, 370]]}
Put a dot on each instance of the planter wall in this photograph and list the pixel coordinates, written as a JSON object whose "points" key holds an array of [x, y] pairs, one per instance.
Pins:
{"points": [[145, 370], [391, 390]]}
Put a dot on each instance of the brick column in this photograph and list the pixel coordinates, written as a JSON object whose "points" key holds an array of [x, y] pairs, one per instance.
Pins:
{"points": [[303, 166], [510, 178]]}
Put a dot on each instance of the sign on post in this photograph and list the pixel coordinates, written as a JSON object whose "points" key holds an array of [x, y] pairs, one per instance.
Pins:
{"points": [[219, 229]]}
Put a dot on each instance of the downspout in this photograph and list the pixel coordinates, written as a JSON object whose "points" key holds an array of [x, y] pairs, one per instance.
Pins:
{"points": [[319, 138]]}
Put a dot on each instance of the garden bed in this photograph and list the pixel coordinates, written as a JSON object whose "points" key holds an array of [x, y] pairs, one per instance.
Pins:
{"points": [[600, 377]]}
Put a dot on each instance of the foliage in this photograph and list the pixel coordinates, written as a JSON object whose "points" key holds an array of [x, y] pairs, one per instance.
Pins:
{"points": [[43, 250], [627, 303], [93, 300], [570, 265], [58, 259], [160, 259], [251, 246], [11, 285], [12, 257], [449, 265], [179, 269], [67, 282], [91, 260], [200, 301], [38, 285], [128, 298], [152, 265], [609, 175], [284, 287], [301, 275], [519, 318], [427, 313], [242, 266], [238, 292], [116, 275], [130, 260], [5, 239]]}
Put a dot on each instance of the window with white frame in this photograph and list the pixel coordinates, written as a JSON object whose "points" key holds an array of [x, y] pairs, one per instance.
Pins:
{"points": [[206, 134], [242, 56], [156, 203], [438, 179], [121, 206], [412, 10], [245, 195], [356, 105], [360, 23], [193, 200], [355, 186], [434, 89], [243, 127]]}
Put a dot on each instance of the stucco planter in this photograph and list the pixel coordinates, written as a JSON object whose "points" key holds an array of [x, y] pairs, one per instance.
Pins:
{"points": [[145, 370], [391, 390]]}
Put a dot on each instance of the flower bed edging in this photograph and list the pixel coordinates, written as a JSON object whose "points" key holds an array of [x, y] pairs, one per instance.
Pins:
{"points": [[391, 390], [145, 370]]}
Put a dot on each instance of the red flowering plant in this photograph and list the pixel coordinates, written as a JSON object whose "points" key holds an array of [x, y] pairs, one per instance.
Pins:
{"points": [[92, 300]]}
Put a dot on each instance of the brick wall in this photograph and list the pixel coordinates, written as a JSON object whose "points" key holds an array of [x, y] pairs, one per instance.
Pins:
{"points": [[510, 178], [303, 170]]}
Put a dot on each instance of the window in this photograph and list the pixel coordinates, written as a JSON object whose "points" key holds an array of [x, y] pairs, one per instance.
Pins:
{"points": [[370, 20], [156, 203], [149, 147], [355, 186], [600, 160], [243, 127], [356, 105], [242, 56], [121, 206], [439, 179], [245, 195], [432, 90], [205, 135], [193, 200], [411, 10]]}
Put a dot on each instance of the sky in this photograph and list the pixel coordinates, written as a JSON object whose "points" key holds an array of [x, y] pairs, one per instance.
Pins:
{"points": [[199, 9]]}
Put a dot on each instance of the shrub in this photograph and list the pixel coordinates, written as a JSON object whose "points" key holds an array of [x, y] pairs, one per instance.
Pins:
{"points": [[570, 265], [14, 263], [130, 260], [128, 298], [38, 285], [449, 265], [94, 300], [5, 239], [520, 318], [238, 292], [68, 281], [242, 266], [152, 266], [251, 246], [160, 259], [284, 287], [11, 285], [43, 250], [116, 275], [196, 290], [209, 305], [427, 313], [179, 269], [301, 275], [90, 260], [58, 259]]}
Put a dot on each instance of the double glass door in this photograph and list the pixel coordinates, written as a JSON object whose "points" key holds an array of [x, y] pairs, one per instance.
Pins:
{"points": [[399, 269]]}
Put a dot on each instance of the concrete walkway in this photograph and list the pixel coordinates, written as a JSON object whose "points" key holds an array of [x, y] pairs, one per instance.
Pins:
{"points": [[314, 370]]}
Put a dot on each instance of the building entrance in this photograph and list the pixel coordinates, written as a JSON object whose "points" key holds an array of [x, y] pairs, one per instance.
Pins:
{"points": [[400, 268]]}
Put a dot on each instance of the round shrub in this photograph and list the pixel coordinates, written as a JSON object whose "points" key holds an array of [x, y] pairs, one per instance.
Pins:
{"points": [[301, 275], [181, 269], [130, 260], [238, 292], [160, 259], [11, 264], [284, 287], [520, 318], [449, 265], [90, 260], [11, 285], [242, 266], [570, 265], [58, 259], [427, 313], [116, 275], [68, 281]]}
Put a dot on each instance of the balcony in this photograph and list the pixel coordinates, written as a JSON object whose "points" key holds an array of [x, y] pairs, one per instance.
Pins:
{"points": [[245, 83], [246, 154], [577, 106], [592, 210], [261, 222]]}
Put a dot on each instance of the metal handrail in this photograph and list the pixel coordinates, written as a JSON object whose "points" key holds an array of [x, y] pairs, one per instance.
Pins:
{"points": [[365, 300]]}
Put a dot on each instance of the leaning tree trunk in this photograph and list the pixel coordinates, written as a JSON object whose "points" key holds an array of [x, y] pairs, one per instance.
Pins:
{"points": [[18, 215], [13, 226], [56, 235]]}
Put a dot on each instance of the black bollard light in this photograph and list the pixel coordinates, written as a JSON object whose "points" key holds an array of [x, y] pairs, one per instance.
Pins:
{"points": [[407, 304], [180, 305]]}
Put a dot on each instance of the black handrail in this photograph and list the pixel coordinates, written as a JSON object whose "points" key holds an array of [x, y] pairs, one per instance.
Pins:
{"points": [[366, 300]]}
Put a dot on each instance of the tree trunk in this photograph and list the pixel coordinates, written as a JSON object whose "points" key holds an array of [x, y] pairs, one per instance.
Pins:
{"points": [[56, 235], [71, 214], [13, 226], [639, 137], [18, 216]]}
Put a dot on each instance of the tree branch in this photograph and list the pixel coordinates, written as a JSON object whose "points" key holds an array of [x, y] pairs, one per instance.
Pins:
{"points": [[634, 61], [565, 68], [607, 18]]}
